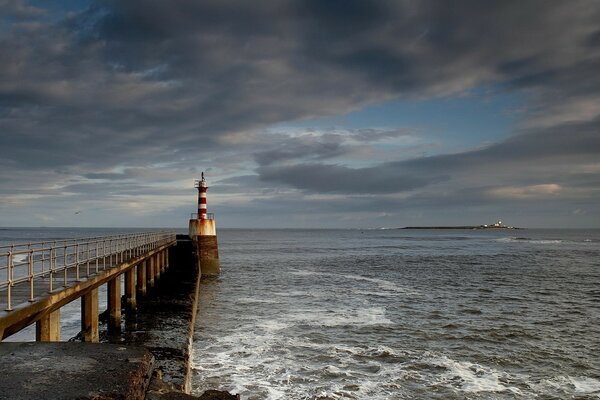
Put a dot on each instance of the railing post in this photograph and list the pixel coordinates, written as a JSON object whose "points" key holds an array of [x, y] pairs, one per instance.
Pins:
{"points": [[89, 316], [97, 257], [9, 268], [51, 275], [87, 245], [30, 272], [77, 262], [65, 266]]}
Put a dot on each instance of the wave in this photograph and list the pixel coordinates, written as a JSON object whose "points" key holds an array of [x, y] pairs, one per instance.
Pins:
{"points": [[382, 283], [513, 239], [585, 385]]}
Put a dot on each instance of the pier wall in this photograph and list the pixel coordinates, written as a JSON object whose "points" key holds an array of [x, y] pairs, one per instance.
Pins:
{"points": [[165, 318]]}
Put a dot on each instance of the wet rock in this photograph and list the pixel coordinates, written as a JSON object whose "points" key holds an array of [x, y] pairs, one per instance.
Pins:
{"points": [[218, 395], [160, 390]]}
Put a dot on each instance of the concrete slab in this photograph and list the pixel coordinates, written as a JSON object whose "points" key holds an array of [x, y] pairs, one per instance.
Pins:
{"points": [[68, 371]]}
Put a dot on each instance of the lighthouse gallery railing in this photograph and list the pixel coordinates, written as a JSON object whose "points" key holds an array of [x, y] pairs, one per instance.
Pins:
{"points": [[59, 261]]}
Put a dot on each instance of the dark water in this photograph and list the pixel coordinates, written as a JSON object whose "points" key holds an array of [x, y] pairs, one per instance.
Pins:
{"points": [[301, 314], [394, 314]]}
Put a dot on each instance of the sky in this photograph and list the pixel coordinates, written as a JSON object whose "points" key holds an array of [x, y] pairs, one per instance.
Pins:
{"points": [[303, 114]]}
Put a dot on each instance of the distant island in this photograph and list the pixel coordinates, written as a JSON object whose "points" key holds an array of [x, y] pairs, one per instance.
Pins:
{"points": [[497, 225]]}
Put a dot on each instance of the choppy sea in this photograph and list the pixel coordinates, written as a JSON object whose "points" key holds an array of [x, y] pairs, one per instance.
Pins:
{"points": [[402, 314], [393, 314]]}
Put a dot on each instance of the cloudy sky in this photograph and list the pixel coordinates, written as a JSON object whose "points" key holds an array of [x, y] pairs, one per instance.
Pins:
{"points": [[313, 113]]}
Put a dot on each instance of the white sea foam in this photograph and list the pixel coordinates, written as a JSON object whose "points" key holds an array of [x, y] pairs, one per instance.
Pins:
{"points": [[471, 377], [584, 384], [20, 258], [273, 325], [340, 317], [255, 300], [261, 364], [513, 239], [381, 283], [563, 386]]}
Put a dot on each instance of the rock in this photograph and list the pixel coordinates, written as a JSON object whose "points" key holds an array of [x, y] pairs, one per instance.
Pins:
{"points": [[159, 390], [218, 395]]}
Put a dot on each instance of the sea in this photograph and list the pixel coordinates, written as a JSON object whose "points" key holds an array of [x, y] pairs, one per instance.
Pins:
{"points": [[396, 314]]}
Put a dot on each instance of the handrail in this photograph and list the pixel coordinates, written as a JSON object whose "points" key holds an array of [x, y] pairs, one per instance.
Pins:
{"points": [[26, 263], [84, 238], [207, 216]]}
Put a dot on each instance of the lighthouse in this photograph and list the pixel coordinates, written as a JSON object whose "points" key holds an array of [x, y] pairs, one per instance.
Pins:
{"points": [[202, 188], [203, 232]]}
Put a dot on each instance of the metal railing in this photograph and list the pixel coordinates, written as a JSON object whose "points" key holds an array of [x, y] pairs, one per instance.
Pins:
{"points": [[208, 216], [57, 262]]}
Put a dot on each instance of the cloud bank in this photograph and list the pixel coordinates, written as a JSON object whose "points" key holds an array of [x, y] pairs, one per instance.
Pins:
{"points": [[115, 108]]}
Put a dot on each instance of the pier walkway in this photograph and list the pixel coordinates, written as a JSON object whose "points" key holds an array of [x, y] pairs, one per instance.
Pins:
{"points": [[37, 279]]}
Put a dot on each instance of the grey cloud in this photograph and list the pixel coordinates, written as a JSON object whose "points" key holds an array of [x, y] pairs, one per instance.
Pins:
{"points": [[324, 178], [517, 157], [18, 9], [128, 84], [126, 73], [313, 145]]}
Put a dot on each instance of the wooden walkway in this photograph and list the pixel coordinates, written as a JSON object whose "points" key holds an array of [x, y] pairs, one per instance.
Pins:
{"points": [[37, 279]]}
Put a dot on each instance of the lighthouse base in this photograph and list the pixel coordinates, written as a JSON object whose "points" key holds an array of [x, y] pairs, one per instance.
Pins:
{"points": [[204, 235], [202, 227]]}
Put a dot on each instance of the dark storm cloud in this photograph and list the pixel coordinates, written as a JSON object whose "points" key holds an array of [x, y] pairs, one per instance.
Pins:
{"points": [[126, 79], [135, 84]]}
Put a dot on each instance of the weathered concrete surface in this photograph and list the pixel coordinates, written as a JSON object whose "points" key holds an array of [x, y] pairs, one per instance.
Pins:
{"points": [[207, 249], [165, 318], [202, 227], [65, 371]]}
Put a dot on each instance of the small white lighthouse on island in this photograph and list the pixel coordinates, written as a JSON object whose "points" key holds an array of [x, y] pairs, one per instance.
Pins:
{"points": [[203, 232]]}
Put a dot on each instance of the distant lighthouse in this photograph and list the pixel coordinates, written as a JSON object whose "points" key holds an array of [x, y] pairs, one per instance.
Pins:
{"points": [[203, 232]]}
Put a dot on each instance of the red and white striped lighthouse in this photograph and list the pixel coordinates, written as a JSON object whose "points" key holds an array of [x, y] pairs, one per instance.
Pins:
{"points": [[202, 198], [203, 232]]}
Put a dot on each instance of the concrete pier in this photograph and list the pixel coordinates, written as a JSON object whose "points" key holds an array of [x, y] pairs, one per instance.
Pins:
{"points": [[164, 319], [145, 352]]}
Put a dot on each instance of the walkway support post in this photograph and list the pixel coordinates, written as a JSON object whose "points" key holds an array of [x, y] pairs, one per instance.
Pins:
{"points": [[157, 266], [130, 289], [89, 316], [114, 304], [150, 272], [141, 278], [47, 329]]}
